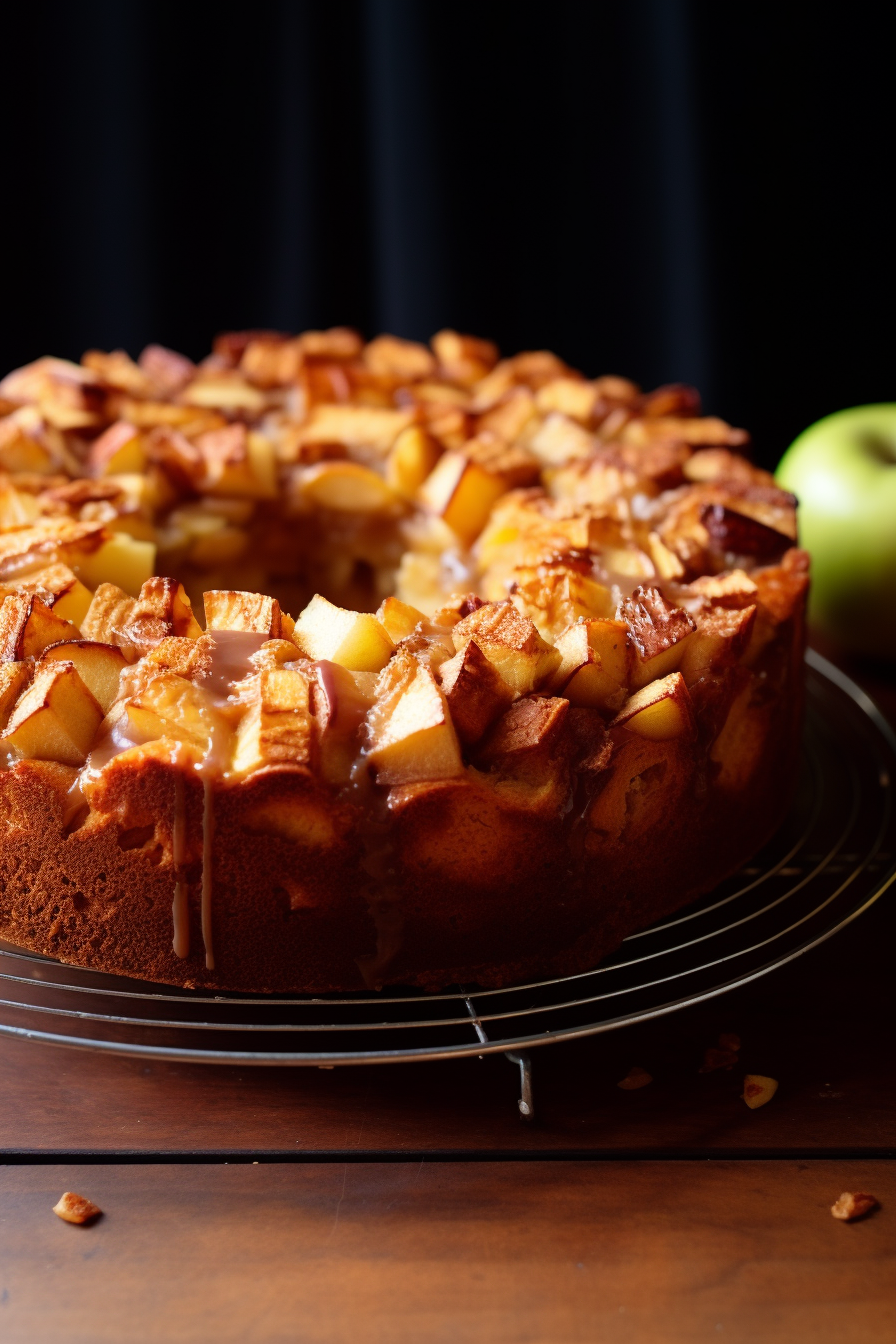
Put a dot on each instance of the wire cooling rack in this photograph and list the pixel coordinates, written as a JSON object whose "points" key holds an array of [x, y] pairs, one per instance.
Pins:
{"points": [[831, 860]]}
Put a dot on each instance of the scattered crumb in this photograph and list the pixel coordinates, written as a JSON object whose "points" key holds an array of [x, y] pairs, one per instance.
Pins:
{"points": [[722, 1056], [849, 1207], [636, 1077], [758, 1090], [718, 1059], [74, 1208]]}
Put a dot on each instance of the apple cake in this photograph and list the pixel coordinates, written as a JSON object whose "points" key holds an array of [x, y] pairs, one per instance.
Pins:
{"points": [[330, 665]]}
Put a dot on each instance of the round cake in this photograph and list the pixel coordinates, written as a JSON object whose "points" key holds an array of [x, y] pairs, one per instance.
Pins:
{"points": [[328, 665]]}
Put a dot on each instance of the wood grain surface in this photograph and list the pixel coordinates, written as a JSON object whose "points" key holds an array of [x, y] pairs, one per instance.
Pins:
{"points": [[822, 1026], [514, 1251]]}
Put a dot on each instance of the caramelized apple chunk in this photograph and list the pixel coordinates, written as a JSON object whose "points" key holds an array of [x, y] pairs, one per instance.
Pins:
{"points": [[353, 639], [410, 732], [248, 612], [475, 691], [511, 642], [276, 728], [659, 711], [27, 626], [55, 719], [659, 632]]}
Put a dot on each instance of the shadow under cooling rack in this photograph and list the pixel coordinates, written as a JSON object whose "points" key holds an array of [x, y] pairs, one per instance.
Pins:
{"points": [[832, 859]]}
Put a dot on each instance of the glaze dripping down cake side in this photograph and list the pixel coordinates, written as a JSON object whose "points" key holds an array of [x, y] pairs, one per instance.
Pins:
{"points": [[541, 684]]}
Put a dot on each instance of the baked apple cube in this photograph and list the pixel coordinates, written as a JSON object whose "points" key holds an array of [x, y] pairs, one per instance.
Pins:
{"points": [[465, 485], [27, 626], [228, 610], [574, 397], [463, 493], [463, 359], [399, 618], [162, 609], [237, 462], [595, 664], [511, 642], [59, 588], [19, 451], [410, 733], [476, 692], [98, 665], [169, 706], [525, 737], [14, 677], [277, 727], [660, 711], [56, 719], [556, 595], [119, 449], [353, 639], [108, 616], [412, 457], [659, 632], [346, 487], [187, 658], [721, 637], [121, 559]]}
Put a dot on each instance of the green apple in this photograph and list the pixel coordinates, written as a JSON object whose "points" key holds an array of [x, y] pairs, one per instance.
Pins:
{"points": [[843, 472]]}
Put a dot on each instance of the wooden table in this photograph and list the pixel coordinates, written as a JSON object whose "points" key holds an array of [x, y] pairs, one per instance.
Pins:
{"points": [[413, 1204]]}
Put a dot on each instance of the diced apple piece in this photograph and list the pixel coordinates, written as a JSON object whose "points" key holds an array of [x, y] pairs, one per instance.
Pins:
{"points": [[118, 449], [734, 589], [56, 719], [14, 677], [525, 743], [555, 595], [27, 626], [659, 633], [464, 486], [169, 706], [570, 396], [98, 665], [346, 487], [659, 711], [410, 730], [721, 637], [19, 452], [277, 728], [392, 358], [399, 618], [226, 610], [108, 616], [237, 462], [353, 639], [511, 642], [463, 359], [58, 587], [758, 1089], [121, 560], [162, 609], [412, 457], [475, 691], [187, 658], [595, 664]]}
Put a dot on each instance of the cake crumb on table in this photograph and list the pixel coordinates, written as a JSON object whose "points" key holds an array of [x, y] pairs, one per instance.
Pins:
{"points": [[851, 1206], [74, 1208], [636, 1077]]}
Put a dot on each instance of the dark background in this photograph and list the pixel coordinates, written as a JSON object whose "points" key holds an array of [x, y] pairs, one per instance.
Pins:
{"points": [[664, 189]]}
